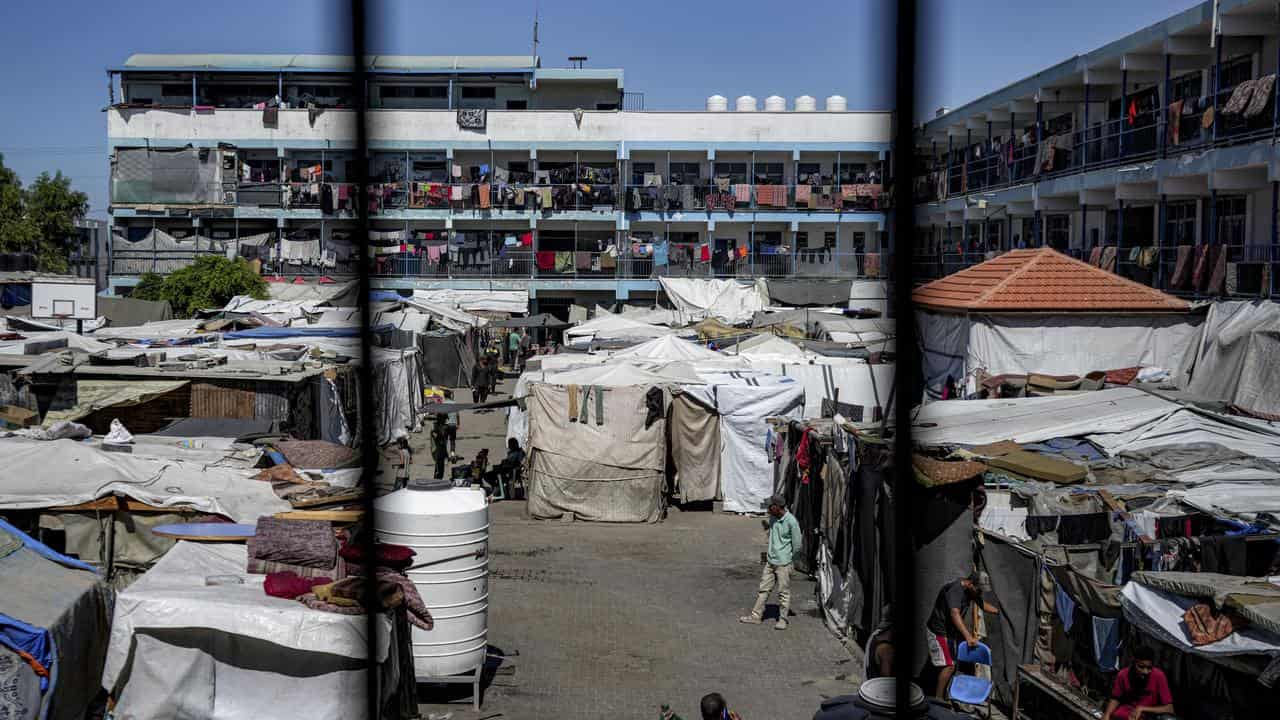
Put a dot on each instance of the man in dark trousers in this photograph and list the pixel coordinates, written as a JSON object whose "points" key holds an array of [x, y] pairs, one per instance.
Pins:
{"points": [[481, 379], [946, 626]]}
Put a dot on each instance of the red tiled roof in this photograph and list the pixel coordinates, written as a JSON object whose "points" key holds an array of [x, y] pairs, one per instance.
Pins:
{"points": [[1041, 280]]}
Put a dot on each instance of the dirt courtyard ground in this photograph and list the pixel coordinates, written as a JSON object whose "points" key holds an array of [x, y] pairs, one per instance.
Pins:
{"points": [[592, 620]]}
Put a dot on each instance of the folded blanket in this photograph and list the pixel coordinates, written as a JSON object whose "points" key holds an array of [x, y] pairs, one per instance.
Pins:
{"points": [[289, 585], [308, 543]]}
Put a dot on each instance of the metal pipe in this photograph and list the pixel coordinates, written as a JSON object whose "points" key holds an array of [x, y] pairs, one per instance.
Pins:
{"points": [[1161, 232], [1124, 103], [1119, 232]]}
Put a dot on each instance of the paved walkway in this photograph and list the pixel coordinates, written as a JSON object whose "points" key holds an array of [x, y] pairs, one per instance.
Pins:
{"points": [[611, 621]]}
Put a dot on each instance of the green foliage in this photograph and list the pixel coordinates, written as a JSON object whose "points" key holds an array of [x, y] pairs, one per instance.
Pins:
{"points": [[208, 283], [39, 218]]}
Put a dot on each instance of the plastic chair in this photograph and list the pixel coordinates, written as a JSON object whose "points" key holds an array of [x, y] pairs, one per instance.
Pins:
{"points": [[971, 689]]}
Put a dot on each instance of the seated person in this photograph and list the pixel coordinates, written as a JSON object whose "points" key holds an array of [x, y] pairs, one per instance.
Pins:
{"points": [[505, 471], [1140, 690]]}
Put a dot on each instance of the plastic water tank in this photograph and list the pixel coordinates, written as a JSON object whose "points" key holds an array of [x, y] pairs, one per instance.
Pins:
{"points": [[717, 103], [448, 528], [837, 103], [775, 103], [746, 103], [806, 103]]}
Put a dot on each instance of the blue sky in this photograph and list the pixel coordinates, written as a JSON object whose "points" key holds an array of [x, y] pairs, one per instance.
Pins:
{"points": [[54, 88]]}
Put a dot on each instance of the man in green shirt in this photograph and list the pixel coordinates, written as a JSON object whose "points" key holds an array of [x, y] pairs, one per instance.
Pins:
{"points": [[513, 348], [785, 541]]}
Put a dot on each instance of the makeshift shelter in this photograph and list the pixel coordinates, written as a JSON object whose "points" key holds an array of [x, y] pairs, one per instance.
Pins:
{"points": [[597, 449], [56, 612], [670, 348], [728, 301], [1236, 358], [515, 302], [129, 312], [180, 645], [808, 292], [447, 360], [541, 320], [615, 327], [1039, 311]]}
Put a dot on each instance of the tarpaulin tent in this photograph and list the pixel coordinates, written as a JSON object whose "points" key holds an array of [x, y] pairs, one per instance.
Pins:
{"points": [[729, 301], [446, 358], [607, 462], [128, 312], [541, 320], [515, 302], [695, 448], [616, 327], [1236, 357], [801, 292], [670, 347], [57, 612], [186, 175], [182, 646]]}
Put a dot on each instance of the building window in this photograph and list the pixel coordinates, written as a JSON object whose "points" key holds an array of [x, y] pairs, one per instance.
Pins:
{"points": [[995, 232], [639, 170], [686, 173], [1236, 70], [1058, 231], [606, 106], [736, 172], [479, 93], [1186, 86], [438, 92], [517, 104], [1180, 223], [769, 173], [1232, 217]]}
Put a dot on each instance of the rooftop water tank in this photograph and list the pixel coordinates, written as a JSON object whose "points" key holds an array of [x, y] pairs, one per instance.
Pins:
{"points": [[837, 103], [746, 103], [775, 103], [806, 103], [717, 103], [448, 528]]}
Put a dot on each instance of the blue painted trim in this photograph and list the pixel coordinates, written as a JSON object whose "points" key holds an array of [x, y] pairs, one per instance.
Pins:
{"points": [[779, 146]]}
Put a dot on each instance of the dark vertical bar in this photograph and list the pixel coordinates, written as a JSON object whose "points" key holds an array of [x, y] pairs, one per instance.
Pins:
{"points": [[1275, 239], [906, 380], [1084, 226], [1084, 134], [1039, 133], [1217, 83], [1119, 232], [1161, 230], [1166, 101], [946, 186], [1124, 110], [368, 432]]}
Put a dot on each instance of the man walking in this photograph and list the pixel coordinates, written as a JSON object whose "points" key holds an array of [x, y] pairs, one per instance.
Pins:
{"points": [[785, 542], [526, 348], [439, 446], [513, 348], [480, 381]]}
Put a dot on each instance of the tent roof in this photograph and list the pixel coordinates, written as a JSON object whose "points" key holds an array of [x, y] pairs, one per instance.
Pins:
{"points": [[541, 320], [669, 347], [1039, 280], [616, 326]]}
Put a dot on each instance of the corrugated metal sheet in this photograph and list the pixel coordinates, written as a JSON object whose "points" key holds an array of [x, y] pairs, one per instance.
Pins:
{"points": [[226, 400]]}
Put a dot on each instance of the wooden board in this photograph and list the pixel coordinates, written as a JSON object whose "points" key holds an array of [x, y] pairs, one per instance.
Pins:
{"points": [[206, 532], [349, 497]]}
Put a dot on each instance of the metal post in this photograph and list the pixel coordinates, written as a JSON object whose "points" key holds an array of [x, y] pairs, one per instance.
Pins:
{"points": [[1217, 84], [1084, 135], [1275, 240], [1164, 111], [1124, 110], [1084, 226], [1119, 232], [1008, 232], [1161, 230], [280, 86], [986, 174], [1035, 231], [450, 100], [194, 95], [1039, 135], [946, 185], [968, 148], [751, 182]]}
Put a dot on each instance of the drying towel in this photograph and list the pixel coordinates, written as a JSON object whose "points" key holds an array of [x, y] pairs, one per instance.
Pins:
{"points": [[1239, 98], [1262, 88], [309, 543], [1109, 258], [484, 196], [572, 391], [1095, 256], [564, 262], [582, 260], [455, 192], [1200, 274], [1181, 267], [545, 260], [396, 557], [871, 268], [742, 193], [802, 194], [1217, 279], [1175, 121]]}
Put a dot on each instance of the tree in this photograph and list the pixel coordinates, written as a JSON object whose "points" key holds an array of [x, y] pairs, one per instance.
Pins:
{"points": [[208, 283], [41, 218]]}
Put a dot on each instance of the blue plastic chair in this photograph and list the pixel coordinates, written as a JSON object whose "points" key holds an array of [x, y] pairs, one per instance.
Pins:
{"points": [[970, 689]]}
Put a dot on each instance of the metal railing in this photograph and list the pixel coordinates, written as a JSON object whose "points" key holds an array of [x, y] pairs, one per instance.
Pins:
{"points": [[865, 197]]}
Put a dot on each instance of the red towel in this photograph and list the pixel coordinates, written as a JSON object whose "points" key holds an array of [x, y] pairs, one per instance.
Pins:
{"points": [[526, 239], [545, 260], [289, 585], [396, 557]]}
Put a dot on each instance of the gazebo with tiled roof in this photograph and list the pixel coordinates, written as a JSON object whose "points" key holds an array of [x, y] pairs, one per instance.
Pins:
{"points": [[1042, 280]]}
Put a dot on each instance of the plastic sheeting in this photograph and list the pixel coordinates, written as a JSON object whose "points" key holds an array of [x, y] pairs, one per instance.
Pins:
{"points": [[799, 292], [1026, 420], [610, 468], [180, 647], [1151, 609], [670, 347], [746, 472], [728, 301], [852, 382], [616, 327], [1183, 428], [44, 474], [1014, 575], [1237, 358], [1074, 344], [187, 175]]}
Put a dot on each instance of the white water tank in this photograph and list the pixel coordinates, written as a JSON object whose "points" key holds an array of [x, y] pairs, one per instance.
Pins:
{"points": [[775, 103], [448, 528], [746, 103], [837, 103], [717, 103], [806, 103]]}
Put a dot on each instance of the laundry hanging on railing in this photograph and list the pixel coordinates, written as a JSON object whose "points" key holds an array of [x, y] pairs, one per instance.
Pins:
{"points": [[1261, 97]]}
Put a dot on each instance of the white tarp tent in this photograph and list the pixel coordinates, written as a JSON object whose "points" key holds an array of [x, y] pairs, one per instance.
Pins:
{"points": [[728, 301], [181, 647], [958, 345], [53, 473], [744, 401], [1183, 428], [515, 302], [670, 347], [616, 327], [870, 294]]}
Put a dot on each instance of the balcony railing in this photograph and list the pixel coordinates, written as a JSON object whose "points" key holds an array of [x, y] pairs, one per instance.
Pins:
{"points": [[1147, 134], [746, 197]]}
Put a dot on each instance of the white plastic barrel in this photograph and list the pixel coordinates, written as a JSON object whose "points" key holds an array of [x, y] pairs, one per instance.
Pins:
{"points": [[806, 103], [449, 529], [717, 103], [775, 103], [837, 103], [746, 103]]}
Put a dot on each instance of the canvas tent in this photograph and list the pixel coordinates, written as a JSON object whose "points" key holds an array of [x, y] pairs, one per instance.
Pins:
{"points": [[1236, 358], [57, 612], [615, 327], [180, 646], [1040, 311]]}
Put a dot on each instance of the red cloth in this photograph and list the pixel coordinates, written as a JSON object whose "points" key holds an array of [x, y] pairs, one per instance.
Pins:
{"points": [[526, 239], [388, 555], [1123, 376], [1133, 112], [1155, 693], [289, 585], [704, 253], [545, 260]]}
